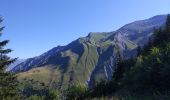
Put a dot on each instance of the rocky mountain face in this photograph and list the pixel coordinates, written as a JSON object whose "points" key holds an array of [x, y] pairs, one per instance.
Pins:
{"points": [[36, 61], [88, 59], [17, 62]]}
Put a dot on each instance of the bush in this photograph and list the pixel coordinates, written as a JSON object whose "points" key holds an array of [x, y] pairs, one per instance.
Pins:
{"points": [[104, 88], [77, 92]]}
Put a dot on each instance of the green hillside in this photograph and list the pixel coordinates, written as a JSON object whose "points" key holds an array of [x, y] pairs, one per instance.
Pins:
{"points": [[76, 65], [145, 77]]}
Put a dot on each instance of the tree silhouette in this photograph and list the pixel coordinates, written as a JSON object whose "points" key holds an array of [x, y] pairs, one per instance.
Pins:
{"points": [[8, 81]]}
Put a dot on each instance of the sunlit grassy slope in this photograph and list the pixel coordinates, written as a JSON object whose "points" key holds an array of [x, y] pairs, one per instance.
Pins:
{"points": [[76, 65]]}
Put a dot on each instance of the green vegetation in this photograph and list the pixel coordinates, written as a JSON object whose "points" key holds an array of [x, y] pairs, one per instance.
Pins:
{"points": [[38, 91], [77, 92], [8, 81], [146, 77]]}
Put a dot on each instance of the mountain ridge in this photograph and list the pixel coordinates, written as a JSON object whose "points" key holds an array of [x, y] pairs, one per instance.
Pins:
{"points": [[90, 59]]}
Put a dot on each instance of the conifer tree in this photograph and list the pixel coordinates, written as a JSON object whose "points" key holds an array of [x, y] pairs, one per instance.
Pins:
{"points": [[118, 67], [168, 28], [118, 59], [162, 35], [168, 23], [8, 81], [139, 50]]}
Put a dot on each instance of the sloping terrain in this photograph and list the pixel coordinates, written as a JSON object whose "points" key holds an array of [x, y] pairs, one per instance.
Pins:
{"points": [[18, 61], [88, 59]]}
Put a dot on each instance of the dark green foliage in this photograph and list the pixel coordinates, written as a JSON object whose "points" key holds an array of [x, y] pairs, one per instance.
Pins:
{"points": [[168, 24], [162, 36], [34, 90], [149, 45], [104, 88], [77, 92], [152, 75], [151, 71], [118, 59], [8, 81], [139, 50], [120, 71], [118, 67]]}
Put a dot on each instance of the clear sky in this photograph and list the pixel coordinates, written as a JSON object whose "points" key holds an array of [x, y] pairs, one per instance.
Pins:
{"points": [[35, 26]]}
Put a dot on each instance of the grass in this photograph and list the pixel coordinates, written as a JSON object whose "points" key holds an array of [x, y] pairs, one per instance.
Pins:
{"points": [[41, 74]]}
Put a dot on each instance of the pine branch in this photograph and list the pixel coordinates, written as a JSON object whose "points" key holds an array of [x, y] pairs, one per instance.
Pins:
{"points": [[5, 51], [2, 28], [3, 43]]}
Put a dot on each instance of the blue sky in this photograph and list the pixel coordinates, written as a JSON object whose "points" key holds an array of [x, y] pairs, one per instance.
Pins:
{"points": [[35, 26]]}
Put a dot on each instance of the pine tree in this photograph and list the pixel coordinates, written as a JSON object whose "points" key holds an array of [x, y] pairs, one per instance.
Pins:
{"points": [[8, 81], [168, 23], [118, 59], [162, 36], [118, 67], [168, 28], [139, 50]]}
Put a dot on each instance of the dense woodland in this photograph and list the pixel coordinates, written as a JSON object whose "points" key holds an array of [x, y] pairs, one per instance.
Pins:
{"points": [[146, 77]]}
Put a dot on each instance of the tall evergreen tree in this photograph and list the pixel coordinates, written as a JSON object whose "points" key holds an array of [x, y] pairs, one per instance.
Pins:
{"points": [[8, 81], [118, 67], [168, 23], [118, 59], [162, 35], [168, 28], [139, 50]]}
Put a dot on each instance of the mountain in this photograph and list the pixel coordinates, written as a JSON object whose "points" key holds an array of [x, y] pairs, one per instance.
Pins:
{"points": [[18, 61], [88, 59], [36, 61]]}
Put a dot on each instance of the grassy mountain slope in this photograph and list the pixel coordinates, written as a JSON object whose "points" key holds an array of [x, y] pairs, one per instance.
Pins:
{"points": [[88, 59]]}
